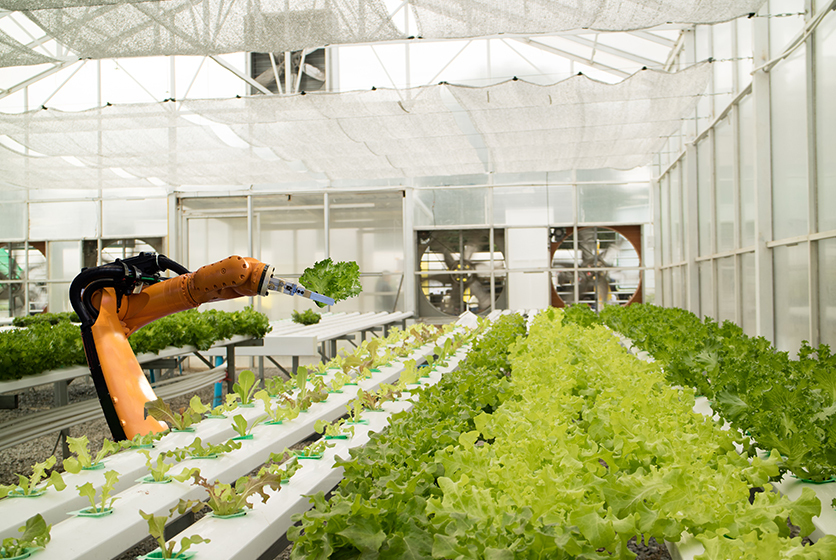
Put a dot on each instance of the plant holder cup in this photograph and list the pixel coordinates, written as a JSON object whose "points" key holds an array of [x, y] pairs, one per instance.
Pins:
{"points": [[311, 457], [337, 391], [27, 552], [240, 513], [285, 481], [210, 456], [354, 423], [351, 383], [187, 430], [241, 438], [17, 493], [214, 417], [375, 370], [809, 481], [341, 436], [143, 446], [88, 512], [274, 423], [158, 555], [149, 479], [94, 466], [248, 405]]}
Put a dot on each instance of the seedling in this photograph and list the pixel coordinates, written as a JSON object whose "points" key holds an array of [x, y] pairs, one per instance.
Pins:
{"points": [[181, 421], [355, 410], [227, 499], [369, 399], [388, 393], [87, 490], [82, 459], [276, 386], [349, 362], [246, 387], [35, 534], [28, 486], [303, 401], [140, 441], [314, 450], [279, 413], [242, 428], [158, 468], [335, 430], [339, 381], [409, 375], [156, 528], [230, 404], [284, 464], [196, 405], [196, 449]]}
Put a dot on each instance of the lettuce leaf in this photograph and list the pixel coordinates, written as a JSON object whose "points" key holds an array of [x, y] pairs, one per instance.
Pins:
{"points": [[340, 280]]}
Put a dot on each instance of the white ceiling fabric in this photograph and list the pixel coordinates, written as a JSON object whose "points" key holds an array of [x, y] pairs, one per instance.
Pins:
{"points": [[12, 53], [102, 29], [469, 18], [575, 124], [580, 123]]}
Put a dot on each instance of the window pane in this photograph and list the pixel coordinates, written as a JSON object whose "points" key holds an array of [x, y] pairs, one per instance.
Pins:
{"points": [[725, 289], [676, 288], [792, 309], [747, 173], [135, 218], [676, 214], [665, 214], [62, 220], [561, 199], [825, 37], [789, 146], [706, 290], [747, 294], [12, 214], [614, 203], [724, 181], [827, 288], [519, 206], [450, 207], [704, 187]]}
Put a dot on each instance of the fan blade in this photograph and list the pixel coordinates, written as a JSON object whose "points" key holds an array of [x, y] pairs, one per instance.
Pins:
{"points": [[469, 249], [588, 244], [313, 72], [478, 290]]}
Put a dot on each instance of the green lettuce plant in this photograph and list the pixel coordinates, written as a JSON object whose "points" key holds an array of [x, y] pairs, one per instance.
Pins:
{"points": [[242, 427], [196, 449], [229, 499], [284, 464], [182, 421], [28, 485], [307, 317], [275, 411], [156, 528], [157, 468], [245, 387], [334, 430], [276, 386], [35, 534], [82, 458], [105, 502], [340, 280]]}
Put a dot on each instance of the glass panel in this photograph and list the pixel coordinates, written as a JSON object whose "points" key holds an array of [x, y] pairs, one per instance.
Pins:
{"points": [[747, 294], [747, 172], [827, 290], [64, 260], [665, 215], [676, 214], [12, 273], [782, 30], [451, 207], [368, 229], [789, 146], [724, 66], [792, 309], [676, 288], [62, 220], [725, 289], [744, 52], [135, 218], [12, 214], [639, 174], [58, 298], [825, 38], [724, 183], [522, 206], [561, 199], [614, 203], [649, 287], [704, 186], [706, 289], [667, 288]]}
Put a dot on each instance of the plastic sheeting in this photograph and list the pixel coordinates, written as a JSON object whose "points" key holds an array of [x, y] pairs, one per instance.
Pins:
{"points": [[12, 53], [469, 18], [211, 27], [105, 29], [580, 123], [384, 134]]}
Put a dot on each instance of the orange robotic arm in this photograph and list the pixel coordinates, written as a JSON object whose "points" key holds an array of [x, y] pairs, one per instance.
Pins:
{"points": [[115, 300]]}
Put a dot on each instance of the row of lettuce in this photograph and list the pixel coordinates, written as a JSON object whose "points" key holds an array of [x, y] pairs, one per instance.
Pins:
{"points": [[282, 401], [54, 341], [558, 444], [782, 403]]}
